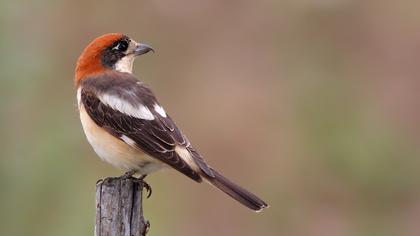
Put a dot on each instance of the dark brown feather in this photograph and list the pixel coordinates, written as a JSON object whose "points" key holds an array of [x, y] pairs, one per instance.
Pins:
{"points": [[157, 137]]}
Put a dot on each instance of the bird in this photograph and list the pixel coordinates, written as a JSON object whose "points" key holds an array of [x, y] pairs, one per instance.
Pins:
{"points": [[128, 127]]}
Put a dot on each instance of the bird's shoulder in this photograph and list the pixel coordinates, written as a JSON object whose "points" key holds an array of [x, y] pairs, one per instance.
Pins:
{"points": [[123, 84]]}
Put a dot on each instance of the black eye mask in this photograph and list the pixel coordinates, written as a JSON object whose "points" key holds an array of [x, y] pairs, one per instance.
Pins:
{"points": [[115, 52], [121, 45]]}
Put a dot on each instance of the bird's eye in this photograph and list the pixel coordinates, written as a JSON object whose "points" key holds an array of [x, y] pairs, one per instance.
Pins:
{"points": [[121, 46]]}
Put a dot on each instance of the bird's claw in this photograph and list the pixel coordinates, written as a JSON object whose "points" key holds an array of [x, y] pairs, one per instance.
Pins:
{"points": [[148, 189], [145, 185]]}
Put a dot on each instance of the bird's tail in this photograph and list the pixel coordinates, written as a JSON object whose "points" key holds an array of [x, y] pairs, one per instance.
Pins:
{"points": [[238, 193]]}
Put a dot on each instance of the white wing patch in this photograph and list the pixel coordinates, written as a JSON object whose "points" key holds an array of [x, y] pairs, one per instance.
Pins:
{"points": [[128, 140], [159, 109], [116, 103], [186, 156]]}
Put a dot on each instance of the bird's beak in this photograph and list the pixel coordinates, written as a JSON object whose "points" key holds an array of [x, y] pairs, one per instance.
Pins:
{"points": [[142, 48]]}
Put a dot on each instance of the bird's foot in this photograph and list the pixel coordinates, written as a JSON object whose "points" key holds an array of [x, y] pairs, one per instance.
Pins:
{"points": [[145, 185], [127, 174]]}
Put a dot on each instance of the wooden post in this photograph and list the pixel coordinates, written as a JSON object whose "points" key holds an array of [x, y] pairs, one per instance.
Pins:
{"points": [[119, 210]]}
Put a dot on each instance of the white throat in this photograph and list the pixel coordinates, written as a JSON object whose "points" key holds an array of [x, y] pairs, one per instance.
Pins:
{"points": [[125, 64]]}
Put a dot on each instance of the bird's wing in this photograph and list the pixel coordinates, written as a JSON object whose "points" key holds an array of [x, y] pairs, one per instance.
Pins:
{"points": [[128, 110]]}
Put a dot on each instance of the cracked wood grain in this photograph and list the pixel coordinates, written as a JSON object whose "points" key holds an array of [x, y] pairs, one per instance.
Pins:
{"points": [[119, 208]]}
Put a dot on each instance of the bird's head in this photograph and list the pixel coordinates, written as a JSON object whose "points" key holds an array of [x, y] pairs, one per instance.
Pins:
{"points": [[113, 51]]}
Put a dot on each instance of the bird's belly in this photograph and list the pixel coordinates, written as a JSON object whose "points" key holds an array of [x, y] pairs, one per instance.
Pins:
{"points": [[115, 151]]}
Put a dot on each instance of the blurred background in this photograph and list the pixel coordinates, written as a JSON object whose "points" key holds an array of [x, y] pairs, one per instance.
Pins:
{"points": [[312, 104]]}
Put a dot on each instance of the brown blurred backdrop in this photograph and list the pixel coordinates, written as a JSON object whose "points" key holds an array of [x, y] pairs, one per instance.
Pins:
{"points": [[312, 104]]}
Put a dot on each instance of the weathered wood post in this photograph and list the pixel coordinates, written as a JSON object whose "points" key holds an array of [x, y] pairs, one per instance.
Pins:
{"points": [[119, 210]]}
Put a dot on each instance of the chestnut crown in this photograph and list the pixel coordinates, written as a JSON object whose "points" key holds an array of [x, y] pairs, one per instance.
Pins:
{"points": [[114, 51]]}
